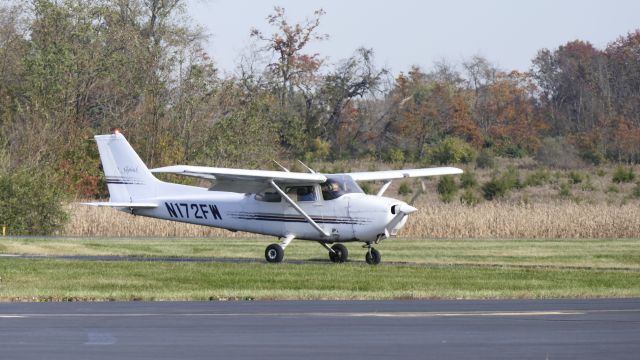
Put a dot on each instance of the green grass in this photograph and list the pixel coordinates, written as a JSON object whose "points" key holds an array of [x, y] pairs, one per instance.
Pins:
{"points": [[596, 253], [469, 269]]}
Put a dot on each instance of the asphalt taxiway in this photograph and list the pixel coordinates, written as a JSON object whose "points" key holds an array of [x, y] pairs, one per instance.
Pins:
{"points": [[513, 329]]}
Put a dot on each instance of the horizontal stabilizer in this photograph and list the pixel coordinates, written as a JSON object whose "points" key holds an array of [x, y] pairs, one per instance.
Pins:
{"points": [[128, 205]]}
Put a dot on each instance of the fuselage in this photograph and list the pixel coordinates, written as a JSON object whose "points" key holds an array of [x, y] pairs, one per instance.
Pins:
{"points": [[350, 217]]}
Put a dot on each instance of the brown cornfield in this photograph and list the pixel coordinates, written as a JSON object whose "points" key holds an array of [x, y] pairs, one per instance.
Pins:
{"points": [[486, 220]]}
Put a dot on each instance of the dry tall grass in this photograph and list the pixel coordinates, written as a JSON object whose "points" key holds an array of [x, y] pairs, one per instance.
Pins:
{"points": [[500, 220], [436, 220]]}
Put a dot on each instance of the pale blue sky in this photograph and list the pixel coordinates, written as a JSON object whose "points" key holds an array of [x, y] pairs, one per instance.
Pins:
{"points": [[402, 32]]}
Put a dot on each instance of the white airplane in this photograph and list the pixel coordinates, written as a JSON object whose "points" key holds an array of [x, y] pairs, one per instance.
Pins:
{"points": [[326, 208]]}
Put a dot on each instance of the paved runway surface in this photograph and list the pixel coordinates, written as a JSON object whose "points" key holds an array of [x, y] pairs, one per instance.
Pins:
{"points": [[556, 329]]}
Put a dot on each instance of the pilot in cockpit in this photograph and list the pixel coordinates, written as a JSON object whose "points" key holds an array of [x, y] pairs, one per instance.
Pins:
{"points": [[331, 190], [305, 193]]}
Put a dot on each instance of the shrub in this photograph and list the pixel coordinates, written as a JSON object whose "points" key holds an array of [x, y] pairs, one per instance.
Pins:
{"points": [[622, 175], [500, 184], [468, 180], [404, 189], [393, 155], [513, 151], [511, 178], [575, 177], [485, 160], [494, 188], [587, 185], [537, 178], [446, 188], [450, 151], [469, 198], [565, 190], [31, 205], [601, 172]]}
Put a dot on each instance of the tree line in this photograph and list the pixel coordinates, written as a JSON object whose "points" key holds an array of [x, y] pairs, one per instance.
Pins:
{"points": [[74, 68]]}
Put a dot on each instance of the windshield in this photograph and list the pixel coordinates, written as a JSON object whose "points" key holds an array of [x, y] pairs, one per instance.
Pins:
{"points": [[338, 185]]}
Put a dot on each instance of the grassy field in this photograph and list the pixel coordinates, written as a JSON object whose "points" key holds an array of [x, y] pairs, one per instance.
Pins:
{"points": [[414, 269]]}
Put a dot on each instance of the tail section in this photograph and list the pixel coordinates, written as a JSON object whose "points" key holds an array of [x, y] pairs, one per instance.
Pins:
{"points": [[128, 178]]}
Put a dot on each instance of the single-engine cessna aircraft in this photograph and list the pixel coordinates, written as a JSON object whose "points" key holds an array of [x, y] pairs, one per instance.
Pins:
{"points": [[327, 208]]}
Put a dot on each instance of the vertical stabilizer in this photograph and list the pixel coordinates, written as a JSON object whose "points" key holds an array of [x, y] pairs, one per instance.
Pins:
{"points": [[128, 178]]}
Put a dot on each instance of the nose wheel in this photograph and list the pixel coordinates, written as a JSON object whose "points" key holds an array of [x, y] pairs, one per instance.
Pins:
{"points": [[373, 256]]}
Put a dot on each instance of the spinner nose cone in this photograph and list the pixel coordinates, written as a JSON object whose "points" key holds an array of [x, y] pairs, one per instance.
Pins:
{"points": [[407, 209]]}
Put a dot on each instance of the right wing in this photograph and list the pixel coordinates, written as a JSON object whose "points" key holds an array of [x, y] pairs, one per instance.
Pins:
{"points": [[399, 174]]}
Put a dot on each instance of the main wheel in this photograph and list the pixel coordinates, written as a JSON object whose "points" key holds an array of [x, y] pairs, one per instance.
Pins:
{"points": [[274, 253], [339, 253], [373, 257]]}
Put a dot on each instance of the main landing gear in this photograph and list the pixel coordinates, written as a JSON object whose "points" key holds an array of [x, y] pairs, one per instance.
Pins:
{"points": [[338, 253], [274, 253]]}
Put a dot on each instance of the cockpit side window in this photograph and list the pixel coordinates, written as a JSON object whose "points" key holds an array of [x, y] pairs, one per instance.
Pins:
{"points": [[338, 185], [331, 190]]}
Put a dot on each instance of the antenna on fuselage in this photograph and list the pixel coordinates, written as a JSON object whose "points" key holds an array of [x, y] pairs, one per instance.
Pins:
{"points": [[308, 168], [282, 167]]}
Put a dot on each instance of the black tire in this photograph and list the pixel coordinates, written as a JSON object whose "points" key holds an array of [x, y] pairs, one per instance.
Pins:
{"points": [[339, 253], [373, 257], [274, 253]]}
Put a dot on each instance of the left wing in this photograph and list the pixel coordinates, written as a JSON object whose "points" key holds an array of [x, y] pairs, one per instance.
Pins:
{"points": [[242, 180], [399, 174]]}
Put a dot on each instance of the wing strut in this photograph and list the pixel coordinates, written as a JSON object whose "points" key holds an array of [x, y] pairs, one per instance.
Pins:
{"points": [[298, 209], [384, 188]]}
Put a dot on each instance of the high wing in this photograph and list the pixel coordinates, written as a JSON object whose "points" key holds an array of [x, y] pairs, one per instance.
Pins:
{"points": [[399, 174], [242, 180]]}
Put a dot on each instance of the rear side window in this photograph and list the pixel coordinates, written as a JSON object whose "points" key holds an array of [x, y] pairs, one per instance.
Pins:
{"points": [[301, 193], [269, 195]]}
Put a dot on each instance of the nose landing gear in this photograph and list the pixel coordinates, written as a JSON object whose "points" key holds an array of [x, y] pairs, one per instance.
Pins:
{"points": [[372, 257]]}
